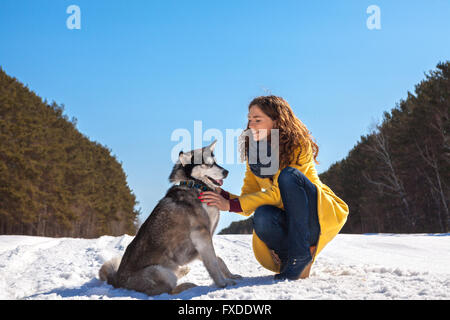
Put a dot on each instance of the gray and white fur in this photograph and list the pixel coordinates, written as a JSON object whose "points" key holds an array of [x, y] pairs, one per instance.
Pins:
{"points": [[179, 230]]}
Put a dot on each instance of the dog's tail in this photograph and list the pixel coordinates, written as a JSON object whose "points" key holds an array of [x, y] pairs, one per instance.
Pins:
{"points": [[109, 269]]}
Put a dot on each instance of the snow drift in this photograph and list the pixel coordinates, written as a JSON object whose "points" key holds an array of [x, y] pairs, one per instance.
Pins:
{"points": [[379, 266]]}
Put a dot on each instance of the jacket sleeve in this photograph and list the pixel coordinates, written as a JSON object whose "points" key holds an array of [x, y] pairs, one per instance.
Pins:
{"points": [[250, 184], [251, 201]]}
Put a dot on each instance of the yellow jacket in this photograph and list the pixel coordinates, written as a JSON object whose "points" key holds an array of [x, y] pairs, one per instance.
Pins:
{"points": [[332, 210]]}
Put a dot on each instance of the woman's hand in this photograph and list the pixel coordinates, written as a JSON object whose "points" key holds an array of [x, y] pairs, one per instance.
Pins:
{"points": [[215, 199]]}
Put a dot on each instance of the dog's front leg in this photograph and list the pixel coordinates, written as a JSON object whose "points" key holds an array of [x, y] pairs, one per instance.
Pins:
{"points": [[201, 238], [225, 271]]}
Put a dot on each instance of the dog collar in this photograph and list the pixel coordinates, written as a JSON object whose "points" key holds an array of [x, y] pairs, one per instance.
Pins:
{"points": [[192, 184]]}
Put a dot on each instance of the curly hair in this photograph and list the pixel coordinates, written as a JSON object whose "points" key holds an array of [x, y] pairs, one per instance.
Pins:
{"points": [[293, 133]]}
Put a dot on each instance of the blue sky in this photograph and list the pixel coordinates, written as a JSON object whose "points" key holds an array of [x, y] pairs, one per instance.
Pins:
{"points": [[137, 70]]}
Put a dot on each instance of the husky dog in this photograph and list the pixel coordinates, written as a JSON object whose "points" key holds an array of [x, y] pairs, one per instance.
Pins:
{"points": [[179, 230]]}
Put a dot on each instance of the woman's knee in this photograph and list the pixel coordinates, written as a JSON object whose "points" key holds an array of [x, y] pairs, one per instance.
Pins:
{"points": [[289, 176], [262, 219]]}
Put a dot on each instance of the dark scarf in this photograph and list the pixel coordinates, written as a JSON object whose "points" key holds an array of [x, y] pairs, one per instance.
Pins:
{"points": [[264, 147]]}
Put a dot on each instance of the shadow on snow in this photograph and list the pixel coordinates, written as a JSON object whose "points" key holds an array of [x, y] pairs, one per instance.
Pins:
{"points": [[96, 287]]}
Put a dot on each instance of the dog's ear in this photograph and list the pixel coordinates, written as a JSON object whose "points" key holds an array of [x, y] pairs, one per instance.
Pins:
{"points": [[212, 145], [185, 158]]}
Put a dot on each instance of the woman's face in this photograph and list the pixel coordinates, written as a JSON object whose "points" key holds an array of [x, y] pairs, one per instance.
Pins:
{"points": [[259, 123]]}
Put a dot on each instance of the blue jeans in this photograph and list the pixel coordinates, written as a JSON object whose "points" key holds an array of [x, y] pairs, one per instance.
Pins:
{"points": [[292, 231]]}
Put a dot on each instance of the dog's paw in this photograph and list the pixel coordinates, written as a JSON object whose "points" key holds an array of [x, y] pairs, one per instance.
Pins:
{"points": [[235, 276], [230, 282], [226, 282]]}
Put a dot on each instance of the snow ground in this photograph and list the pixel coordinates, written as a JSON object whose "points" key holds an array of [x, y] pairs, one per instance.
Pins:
{"points": [[379, 266]]}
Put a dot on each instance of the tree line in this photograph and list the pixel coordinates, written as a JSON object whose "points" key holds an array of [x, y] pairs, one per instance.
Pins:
{"points": [[396, 178], [54, 181]]}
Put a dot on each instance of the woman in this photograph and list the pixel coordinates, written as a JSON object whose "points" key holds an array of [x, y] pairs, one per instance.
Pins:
{"points": [[295, 214]]}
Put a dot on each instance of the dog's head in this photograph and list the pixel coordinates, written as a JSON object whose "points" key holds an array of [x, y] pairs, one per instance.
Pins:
{"points": [[199, 164]]}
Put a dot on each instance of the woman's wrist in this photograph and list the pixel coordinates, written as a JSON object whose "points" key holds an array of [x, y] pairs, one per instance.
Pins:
{"points": [[235, 205], [224, 194]]}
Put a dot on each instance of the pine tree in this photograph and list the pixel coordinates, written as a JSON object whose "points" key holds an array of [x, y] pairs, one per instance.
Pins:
{"points": [[54, 181]]}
